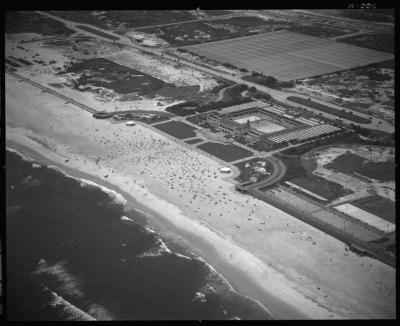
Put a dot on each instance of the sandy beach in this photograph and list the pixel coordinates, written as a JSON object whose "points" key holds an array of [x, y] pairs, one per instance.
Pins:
{"points": [[293, 269]]}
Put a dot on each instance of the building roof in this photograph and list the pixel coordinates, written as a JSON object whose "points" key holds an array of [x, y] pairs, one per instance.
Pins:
{"points": [[229, 123]]}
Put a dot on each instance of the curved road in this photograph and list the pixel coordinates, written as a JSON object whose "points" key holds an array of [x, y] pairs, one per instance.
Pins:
{"points": [[278, 172]]}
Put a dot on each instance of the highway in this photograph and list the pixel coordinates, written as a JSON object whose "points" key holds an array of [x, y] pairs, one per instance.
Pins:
{"points": [[278, 95]]}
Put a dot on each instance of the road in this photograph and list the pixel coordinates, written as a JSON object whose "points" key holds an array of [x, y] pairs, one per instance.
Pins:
{"points": [[278, 95]]}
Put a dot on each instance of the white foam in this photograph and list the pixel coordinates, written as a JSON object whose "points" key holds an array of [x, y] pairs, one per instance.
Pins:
{"points": [[156, 251], [72, 312], [117, 198], [199, 296], [70, 284], [125, 218], [23, 156], [34, 165]]}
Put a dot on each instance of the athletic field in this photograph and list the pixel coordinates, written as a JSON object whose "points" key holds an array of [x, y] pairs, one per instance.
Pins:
{"points": [[287, 55]]}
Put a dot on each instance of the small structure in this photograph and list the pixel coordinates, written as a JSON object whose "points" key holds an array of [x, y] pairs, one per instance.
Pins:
{"points": [[225, 170], [130, 123]]}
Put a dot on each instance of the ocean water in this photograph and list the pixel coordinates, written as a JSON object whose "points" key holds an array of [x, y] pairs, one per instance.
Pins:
{"points": [[74, 253]]}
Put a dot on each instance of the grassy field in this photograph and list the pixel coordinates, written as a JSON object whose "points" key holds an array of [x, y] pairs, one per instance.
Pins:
{"points": [[287, 55], [379, 206], [351, 163], [251, 171], [31, 22], [177, 129], [321, 187], [328, 109], [95, 31], [379, 42], [228, 153], [125, 18]]}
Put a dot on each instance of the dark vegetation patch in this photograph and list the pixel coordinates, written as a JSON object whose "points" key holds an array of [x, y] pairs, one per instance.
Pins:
{"points": [[99, 33], [380, 42], [320, 186], [100, 72], [194, 141], [225, 152], [354, 164], [318, 30], [268, 81], [23, 61], [12, 63], [294, 168], [328, 109], [232, 96], [253, 170], [127, 18], [216, 12], [177, 129], [200, 32], [127, 82], [379, 206], [31, 22], [375, 15]]}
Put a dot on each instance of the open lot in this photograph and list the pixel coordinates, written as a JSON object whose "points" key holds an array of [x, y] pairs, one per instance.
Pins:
{"points": [[228, 153], [287, 55], [354, 164], [367, 89], [378, 205], [321, 186], [31, 22], [177, 129]]}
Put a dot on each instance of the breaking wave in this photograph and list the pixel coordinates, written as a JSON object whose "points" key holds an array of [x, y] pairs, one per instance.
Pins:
{"points": [[115, 196], [70, 311]]}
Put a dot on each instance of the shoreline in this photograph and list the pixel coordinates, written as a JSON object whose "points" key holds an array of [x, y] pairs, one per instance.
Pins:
{"points": [[295, 270], [177, 238]]}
